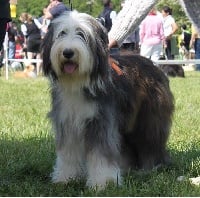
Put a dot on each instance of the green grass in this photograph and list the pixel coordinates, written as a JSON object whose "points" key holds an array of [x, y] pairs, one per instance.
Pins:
{"points": [[27, 151]]}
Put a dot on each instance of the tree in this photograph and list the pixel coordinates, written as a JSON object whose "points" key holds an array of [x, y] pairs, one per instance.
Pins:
{"points": [[177, 12], [32, 7], [35, 7], [94, 7]]}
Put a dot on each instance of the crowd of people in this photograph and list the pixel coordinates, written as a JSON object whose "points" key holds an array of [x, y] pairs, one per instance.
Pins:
{"points": [[25, 40], [152, 38], [127, 21]]}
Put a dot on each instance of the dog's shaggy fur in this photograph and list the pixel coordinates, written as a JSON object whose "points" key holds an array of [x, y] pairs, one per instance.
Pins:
{"points": [[106, 122]]}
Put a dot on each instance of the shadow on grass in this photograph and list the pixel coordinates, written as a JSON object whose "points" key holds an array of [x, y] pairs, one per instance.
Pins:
{"points": [[25, 168]]}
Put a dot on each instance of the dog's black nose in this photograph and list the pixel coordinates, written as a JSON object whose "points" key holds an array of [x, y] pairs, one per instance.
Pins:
{"points": [[68, 53]]}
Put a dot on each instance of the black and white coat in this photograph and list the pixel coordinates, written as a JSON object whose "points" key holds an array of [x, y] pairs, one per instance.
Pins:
{"points": [[105, 122]]}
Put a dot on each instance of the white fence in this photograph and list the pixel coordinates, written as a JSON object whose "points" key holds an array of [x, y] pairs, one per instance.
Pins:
{"points": [[169, 62], [179, 62]]}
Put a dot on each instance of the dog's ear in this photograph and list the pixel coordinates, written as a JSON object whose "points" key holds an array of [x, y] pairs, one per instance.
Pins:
{"points": [[46, 49], [101, 45]]}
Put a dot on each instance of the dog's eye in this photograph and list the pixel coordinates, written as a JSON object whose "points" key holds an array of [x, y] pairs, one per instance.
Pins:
{"points": [[61, 34], [81, 34]]}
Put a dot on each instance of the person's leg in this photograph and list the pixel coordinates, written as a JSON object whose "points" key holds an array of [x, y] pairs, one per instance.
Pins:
{"points": [[146, 50], [197, 53], [168, 50], [11, 50], [1, 58], [30, 50], [156, 51], [38, 64], [30, 56]]}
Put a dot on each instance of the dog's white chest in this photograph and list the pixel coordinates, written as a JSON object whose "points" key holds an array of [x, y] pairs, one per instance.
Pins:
{"points": [[76, 109]]}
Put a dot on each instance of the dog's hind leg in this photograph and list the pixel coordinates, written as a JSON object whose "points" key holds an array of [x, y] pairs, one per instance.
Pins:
{"points": [[146, 150], [150, 138]]}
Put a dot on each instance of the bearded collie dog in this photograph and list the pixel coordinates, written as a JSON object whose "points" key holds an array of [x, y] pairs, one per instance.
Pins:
{"points": [[110, 115]]}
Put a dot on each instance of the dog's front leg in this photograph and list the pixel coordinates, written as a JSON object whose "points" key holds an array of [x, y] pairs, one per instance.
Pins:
{"points": [[102, 154], [101, 170], [68, 165]]}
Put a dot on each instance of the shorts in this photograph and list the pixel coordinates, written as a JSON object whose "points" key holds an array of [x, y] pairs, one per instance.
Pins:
{"points": [[151, 51], [34, 46]]}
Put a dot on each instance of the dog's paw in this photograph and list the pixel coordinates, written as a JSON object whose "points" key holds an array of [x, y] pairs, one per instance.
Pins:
{"points": [[101, 171], [58, 177], [65, 171], [64, 175], [101, 182]]}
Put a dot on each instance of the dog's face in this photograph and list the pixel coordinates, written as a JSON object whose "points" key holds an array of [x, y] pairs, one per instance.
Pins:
{"points": [[75, 45], [29, 68]]}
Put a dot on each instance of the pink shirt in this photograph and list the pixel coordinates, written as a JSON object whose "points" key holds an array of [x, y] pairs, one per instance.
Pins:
{"points": [[151, 30]]}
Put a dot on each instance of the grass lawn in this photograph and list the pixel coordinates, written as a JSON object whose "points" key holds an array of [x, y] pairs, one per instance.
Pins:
{"points": [[27, 152]]}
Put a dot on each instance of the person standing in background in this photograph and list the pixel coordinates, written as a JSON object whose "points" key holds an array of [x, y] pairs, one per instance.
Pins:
{"points": [[131, 43], [151, 36], [12, 38], [55, 8], [195, 42], [4, 19], [127, 20], [170, 27], [108, 15], [45, 23], [113, 13], [186, 37], [32, 32]]}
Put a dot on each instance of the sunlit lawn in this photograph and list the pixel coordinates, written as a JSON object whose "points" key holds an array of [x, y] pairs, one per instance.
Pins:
{"points": [[27, 146]]}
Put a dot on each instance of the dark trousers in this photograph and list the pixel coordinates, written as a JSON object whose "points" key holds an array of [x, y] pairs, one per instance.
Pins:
{"points": [[168, 50], [197, 52], [3, 24]]}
